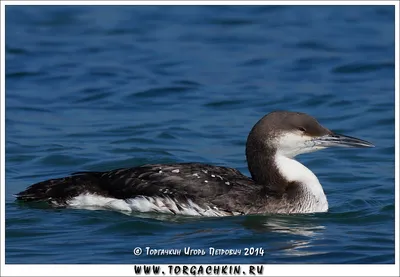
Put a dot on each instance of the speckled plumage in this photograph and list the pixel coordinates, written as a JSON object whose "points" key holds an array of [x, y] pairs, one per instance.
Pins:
{"points": [[206, 185]]}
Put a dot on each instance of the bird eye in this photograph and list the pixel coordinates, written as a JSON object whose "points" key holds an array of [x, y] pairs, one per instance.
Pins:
{"points": [[302, 129]]}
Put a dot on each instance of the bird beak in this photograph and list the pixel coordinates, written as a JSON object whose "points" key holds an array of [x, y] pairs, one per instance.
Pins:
{"points": [[337, 140]]}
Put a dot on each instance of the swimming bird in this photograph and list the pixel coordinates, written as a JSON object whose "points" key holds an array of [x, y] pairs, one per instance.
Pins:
{"points": [[278, 183]]}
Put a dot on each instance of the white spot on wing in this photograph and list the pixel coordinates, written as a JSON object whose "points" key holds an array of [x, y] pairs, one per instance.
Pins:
{"points": [[196, 174], [175, 171]]}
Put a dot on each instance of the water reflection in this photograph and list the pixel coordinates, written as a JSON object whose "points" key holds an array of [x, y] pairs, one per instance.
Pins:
{"points": [[289, 235], [284, 224], [278, 235]]}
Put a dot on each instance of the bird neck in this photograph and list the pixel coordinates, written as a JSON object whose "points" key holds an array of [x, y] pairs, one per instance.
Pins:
{"points": [[262, 166], [294, 171], [277, 172]]}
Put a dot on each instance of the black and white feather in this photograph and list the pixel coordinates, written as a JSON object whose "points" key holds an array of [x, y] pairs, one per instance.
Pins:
{"points": [[186, 188]]}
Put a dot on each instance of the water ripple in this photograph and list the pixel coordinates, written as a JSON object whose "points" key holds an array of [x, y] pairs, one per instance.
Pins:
{"points": [[103, 87]]}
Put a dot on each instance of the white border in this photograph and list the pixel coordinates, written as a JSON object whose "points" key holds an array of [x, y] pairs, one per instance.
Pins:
{"points": [[193, 3], [269, 270], [3, 137], [127, 270], [397, 138]]}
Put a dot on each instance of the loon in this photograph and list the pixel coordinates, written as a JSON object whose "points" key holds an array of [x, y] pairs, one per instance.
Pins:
{"points": [[278, 183]]}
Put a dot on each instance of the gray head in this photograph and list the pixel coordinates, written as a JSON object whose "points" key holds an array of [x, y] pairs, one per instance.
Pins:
{"points": [[294, 133]]}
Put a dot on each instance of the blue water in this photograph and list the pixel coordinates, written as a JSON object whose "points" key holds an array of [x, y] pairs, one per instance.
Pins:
{"points": [[97, 88]]}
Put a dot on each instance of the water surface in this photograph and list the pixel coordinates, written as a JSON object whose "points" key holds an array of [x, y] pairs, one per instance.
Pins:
{"points": [[97, 88]]}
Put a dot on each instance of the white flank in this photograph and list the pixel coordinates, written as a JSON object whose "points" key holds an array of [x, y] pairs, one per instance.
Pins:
{"points": [[158, 204]]}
